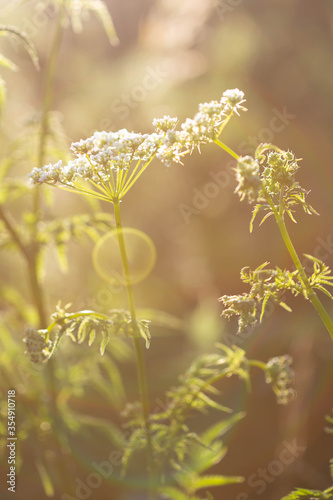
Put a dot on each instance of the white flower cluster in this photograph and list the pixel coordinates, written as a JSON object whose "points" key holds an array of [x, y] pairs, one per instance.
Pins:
{"points": [[98, 155], [234, 99], [105, 154], [207, 124], [164, 124], [171, 149]]}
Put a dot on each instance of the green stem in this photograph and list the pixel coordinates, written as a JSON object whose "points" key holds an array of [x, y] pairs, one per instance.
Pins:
{"points": [[258, 364], [313, 297], [78, 315], [48, 91], [50, 376], [11, 227], [29, 257], [227, 149], [142, 376], [49, 82]]}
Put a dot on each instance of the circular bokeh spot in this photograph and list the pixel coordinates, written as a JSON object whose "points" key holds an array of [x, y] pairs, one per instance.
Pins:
{"points": [[140, 251]]}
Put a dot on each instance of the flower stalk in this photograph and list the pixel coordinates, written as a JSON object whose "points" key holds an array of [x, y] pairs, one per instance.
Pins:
{"points": [[141, 369]]}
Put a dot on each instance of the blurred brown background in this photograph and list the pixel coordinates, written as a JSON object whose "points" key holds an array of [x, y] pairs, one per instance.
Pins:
{"points": [[172, 55]]}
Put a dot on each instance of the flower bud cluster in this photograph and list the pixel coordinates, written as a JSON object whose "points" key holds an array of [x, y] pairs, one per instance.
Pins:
{"points": [[243, 306], [280, 375], [38, 348], [280, 171], [248, 178]]}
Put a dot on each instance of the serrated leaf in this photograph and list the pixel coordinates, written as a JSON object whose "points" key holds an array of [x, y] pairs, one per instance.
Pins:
{"points": [[213, 404], [265, 217], [161, 318], [173, 493], [210, 481], [291, 216], [45, 479], [92, 336], [322, 289], [304, 494], [203, 459], [2, 93], [263, 307], [15, 32], [254, 214], [100, 10], [104, 343], [218, 430], [105, 426], [285, 306], [82, 331], [311, 257], [7, 63], [145, 334]]}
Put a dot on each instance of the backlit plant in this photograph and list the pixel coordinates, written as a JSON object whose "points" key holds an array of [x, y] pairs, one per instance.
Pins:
{"points": [[108, 164], [105, 167]]}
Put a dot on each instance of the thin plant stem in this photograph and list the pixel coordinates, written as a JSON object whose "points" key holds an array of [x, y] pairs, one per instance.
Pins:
{"points": [[311, 294], [227, 149], [141, 369], [12, 230], [49, 83], [313, 297], [38, 294], [130, 182], [78, 315], [48, 91], [259, 364], [85, 191]]}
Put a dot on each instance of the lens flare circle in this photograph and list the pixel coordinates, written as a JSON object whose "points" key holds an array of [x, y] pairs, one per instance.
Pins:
{"points": [[140, 251]]}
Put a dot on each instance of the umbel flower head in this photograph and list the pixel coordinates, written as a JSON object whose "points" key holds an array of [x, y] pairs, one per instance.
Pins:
{"points": [[107, 164]]}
